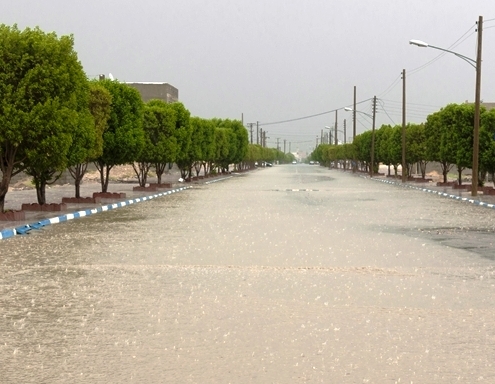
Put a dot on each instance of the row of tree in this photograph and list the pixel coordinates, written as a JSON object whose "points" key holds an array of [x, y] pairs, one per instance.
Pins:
{"points": [[53, 118], [445, 138]]}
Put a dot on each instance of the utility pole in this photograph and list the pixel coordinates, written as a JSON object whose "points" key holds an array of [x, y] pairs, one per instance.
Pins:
{"points": [[373, 138], [242, 119], [290, 143], [476, 139], [354, 165], [335, 138], [284, 144], [250, 125], [257, 131], [354, 117], [278, 148], [404, 166], [345, 132]]}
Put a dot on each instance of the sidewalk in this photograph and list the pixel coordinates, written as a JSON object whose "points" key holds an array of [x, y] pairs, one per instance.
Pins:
{"points": [[432, 187], [54, 194]]}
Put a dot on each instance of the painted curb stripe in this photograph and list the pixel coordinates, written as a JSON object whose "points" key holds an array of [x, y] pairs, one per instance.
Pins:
{"points": [[23, 229], [440, 193], [217, 180]]}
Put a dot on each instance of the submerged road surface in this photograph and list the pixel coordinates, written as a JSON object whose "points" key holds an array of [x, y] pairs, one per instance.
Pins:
{"points": [[290, 274]]}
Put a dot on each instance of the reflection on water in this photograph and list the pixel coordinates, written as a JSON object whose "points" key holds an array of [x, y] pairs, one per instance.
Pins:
{"points": [[240, 284]]}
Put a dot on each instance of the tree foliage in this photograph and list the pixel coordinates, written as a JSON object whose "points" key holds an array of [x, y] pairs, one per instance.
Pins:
{"points": [[123, 140], [43, 102], [87, 144], [160, 143]]}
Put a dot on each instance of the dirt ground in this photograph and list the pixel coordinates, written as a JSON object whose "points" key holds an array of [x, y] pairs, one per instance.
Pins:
{"points": [[122, 173]]}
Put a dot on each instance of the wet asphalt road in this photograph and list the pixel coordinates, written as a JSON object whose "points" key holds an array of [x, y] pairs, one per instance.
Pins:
{"points": [[289, 274]]}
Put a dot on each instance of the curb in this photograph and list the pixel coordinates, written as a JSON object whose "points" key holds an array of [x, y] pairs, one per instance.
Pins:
{"points": [[217, 180], [23, 229], [439, 193]]}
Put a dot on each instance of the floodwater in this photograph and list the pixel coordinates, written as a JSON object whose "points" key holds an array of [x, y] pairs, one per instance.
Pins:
{"points": [[285, 275]]}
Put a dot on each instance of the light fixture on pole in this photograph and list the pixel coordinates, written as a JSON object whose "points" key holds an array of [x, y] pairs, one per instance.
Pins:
{"points": [[476, 64]]}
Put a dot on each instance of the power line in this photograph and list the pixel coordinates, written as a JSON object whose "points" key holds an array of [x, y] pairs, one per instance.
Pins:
{"points": [[308, 117], [453, 45], [390, 87]]}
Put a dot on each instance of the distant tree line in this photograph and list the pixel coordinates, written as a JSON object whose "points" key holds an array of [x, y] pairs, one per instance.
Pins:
{"points": [[445, 138], [52, 118]]}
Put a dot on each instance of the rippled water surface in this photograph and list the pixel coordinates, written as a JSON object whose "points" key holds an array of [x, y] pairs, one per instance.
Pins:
{"points": [[289, 274]]}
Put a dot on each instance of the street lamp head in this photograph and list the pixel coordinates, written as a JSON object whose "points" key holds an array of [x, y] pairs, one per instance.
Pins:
{"points": [[419, 43], [348, 109]]}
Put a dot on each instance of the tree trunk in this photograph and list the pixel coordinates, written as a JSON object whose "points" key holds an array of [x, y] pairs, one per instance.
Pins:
{"points": [[197, 168], [160, 170], [444, 171], [4, 187], [422, 166], [77, 172], [141, 171], [40, 190], [459, 176], [409, 170], [104, 171]]}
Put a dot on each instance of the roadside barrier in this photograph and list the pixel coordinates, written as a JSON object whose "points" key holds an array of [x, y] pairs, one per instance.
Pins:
{"points": [[24, 229], [439, 193]]}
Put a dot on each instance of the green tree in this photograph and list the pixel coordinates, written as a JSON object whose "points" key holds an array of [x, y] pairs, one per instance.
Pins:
{"points": [[209, 149], [87, 145], [198, 144], [416, 147], [439, 146], [124, 138], [238, 141], [362, 148], [222, 148], [457, 121], [42, 102], [183, 134], [487, 143], [160, 143]]}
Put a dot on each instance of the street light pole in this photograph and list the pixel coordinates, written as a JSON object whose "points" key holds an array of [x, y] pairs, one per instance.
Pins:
{"points": [[476, 126], [404, 166], [373, 138], [354, 117], [354, 165], [476, 138]]}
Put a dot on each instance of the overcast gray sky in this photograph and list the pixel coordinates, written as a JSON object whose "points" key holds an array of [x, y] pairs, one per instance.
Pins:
{"points": [[277, 60]]}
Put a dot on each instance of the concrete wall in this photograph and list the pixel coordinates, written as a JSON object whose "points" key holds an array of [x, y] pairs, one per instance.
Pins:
{"points": [[160, 91]]}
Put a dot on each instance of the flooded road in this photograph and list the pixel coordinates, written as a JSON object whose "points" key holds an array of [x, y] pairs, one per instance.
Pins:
{"points": [[286, 275]]}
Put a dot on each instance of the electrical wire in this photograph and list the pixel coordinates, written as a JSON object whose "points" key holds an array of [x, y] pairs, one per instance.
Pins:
{"points": [[307, 117], [453, 45], [384, 110], [390, 87]]}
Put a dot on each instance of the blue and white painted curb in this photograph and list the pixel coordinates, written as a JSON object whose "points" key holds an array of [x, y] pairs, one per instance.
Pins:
{"points": [[440, 193], [23, 229], [217, 180]]}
